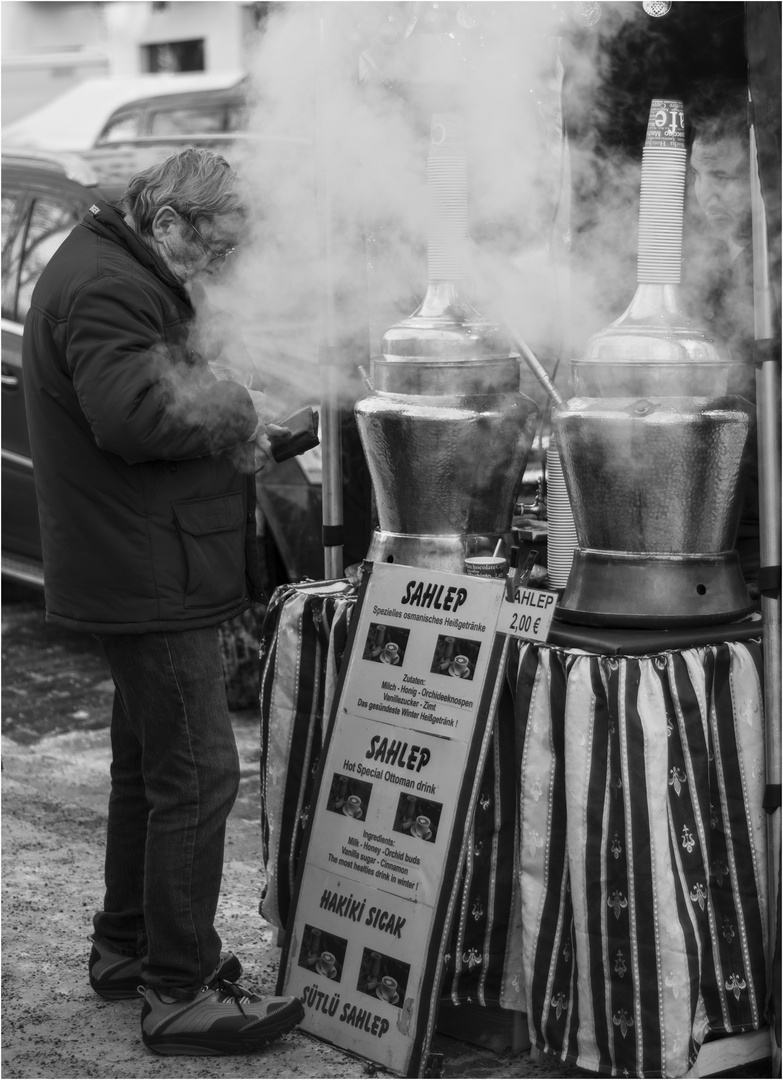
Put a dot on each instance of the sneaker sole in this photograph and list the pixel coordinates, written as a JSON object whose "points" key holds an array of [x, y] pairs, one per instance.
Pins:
{"points": [[227, 1043], [128, 989]]}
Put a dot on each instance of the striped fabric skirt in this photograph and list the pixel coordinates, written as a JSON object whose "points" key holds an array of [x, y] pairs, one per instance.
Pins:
{"points": [[642, 853]]}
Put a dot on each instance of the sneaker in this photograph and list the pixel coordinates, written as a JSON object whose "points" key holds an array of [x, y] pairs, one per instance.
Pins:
{"points": [[117, 977], [221, 1019]]}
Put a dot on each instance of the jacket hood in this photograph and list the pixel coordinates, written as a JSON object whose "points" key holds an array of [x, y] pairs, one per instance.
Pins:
{"points": [[109, 221]]}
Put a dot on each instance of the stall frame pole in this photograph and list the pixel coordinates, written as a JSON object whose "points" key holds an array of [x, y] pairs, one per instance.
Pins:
{"points": [[328, 361], [768, 405]]}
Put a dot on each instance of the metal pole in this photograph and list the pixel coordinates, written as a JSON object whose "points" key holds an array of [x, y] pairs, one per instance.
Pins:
{"points": [[768, 403], [535, 365], [331, 449]]}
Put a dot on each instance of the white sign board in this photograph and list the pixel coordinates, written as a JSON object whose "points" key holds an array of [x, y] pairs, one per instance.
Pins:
{"points": [[529, 616], [399, 774]]}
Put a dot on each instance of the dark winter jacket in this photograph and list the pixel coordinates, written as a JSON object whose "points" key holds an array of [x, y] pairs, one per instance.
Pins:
{"points": [[146, 521]]}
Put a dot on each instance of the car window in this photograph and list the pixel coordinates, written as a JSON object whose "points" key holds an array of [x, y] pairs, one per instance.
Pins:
{"points": [[206, 120], [124, 127], [13, 207], [50, 223]]}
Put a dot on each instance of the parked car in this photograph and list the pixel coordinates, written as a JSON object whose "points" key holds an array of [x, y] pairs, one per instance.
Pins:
{"points": [[215, 110], [117, 106], [43, 197]]}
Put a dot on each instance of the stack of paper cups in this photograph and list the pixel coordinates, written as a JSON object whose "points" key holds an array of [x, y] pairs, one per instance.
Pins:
{"points": [[447, 200], [562, 541], [662, 194]]}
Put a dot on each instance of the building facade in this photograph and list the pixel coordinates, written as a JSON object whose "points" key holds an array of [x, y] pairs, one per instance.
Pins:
{"points": [[47, 48]]}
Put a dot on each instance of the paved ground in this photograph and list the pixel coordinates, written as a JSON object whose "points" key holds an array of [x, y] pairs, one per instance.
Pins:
{"points": [[56, 698]]}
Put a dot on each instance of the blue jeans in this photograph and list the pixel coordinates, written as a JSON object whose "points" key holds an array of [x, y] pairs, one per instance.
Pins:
{"points": [[174, 779]]}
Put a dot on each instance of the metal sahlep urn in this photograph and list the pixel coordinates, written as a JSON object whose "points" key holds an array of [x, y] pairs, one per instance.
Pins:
{"points": [[652, 445], [445, 430]]}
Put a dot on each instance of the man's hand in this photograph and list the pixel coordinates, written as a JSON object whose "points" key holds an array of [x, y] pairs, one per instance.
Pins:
{"points": [[262, 447]]}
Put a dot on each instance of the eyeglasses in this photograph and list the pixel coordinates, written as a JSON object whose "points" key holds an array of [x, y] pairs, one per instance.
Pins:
{"points": [[216, 255]]}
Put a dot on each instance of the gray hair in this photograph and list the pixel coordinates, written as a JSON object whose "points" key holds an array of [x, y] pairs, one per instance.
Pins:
{"points": [[197, 183]]}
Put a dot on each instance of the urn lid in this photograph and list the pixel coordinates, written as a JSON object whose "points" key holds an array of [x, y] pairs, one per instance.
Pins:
{"points": [[446, 326], [655, 329]]}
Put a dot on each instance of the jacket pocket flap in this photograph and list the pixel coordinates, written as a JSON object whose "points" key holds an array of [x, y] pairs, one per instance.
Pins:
{"points": [[216, 514]]}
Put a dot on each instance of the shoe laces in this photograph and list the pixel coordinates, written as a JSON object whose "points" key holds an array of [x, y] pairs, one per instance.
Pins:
{"points": [[229, 991]]}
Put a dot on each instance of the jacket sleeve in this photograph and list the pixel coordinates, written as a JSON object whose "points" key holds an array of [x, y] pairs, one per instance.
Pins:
{"points": [[142, 400]]}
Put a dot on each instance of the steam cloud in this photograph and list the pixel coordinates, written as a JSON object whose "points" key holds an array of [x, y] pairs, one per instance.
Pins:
{"points": [[343, 95]]}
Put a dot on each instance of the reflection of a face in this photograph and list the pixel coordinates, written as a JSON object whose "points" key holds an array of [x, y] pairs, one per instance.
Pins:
{"points": [[722, 186]]}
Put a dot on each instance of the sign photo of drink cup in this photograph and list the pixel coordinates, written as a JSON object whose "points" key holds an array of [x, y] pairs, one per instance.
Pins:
{"points": [[385, 644], [322, 953], [349, 796], [383, 977], [455, 657], [418, 817]]}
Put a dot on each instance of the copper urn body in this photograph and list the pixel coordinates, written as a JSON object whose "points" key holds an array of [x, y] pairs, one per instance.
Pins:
{"points": [[446, 433]]}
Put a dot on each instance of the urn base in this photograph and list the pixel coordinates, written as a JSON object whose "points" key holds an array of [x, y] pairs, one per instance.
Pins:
{"points": [[620, 588], [433, 552]]}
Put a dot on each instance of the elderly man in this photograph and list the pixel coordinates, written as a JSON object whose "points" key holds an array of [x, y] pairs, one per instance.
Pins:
{"points": [[144, 471]]}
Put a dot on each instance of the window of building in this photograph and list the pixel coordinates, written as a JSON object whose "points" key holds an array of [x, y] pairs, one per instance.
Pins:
{"points": [[169, 56]]}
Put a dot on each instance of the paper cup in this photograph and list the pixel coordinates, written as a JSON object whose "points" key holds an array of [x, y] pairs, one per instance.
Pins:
{"points": [[562, 538], [423, 825], [486, 566]]}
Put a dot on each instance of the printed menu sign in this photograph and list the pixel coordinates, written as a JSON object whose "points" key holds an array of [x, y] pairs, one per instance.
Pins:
{"points": [[379, 873]]}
